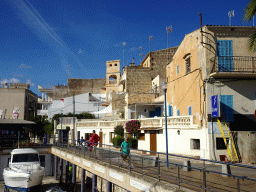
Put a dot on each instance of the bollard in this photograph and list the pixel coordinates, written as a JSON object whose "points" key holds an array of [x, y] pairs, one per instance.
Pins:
{"points": [[226, 169], [156, 162], [187, 165]]}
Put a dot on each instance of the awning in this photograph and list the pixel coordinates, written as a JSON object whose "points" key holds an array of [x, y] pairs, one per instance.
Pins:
{"points": [[108, 109], [15, 121]]}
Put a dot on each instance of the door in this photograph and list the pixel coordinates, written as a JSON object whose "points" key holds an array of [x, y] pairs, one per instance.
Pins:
{"points": [[225, 55], [153, 143], [101, 137]]}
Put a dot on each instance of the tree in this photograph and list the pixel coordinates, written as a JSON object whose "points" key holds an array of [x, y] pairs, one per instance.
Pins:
{"points": [[38, 129], [249, 12], [119, 130]]}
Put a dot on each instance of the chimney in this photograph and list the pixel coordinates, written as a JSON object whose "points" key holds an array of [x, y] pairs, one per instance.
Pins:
{"points": [[132, 64]]}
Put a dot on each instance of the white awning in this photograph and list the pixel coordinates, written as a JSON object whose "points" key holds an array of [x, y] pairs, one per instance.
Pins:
{"points": [[108, 109]]}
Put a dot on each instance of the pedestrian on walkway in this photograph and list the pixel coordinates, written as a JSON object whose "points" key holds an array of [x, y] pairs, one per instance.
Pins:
{"points": [[89, 142], [125, 150], [82, 141], [45, 139], [95, 139]]}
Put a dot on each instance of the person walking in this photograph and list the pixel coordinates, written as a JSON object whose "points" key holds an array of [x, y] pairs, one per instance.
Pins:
{"points": [[82, 141], [89, 142], [125, 150], [95, 139], [45, 139]]}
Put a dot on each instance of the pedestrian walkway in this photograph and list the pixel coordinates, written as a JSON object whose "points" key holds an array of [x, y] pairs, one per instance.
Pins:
{"points": [[197, 178]]}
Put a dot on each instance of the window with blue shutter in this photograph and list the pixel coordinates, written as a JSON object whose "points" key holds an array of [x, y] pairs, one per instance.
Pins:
{"points": [[158, 112], [226, 107], [178, 69], [225, 55], [189, 110], [151, 113], [178, 112], [170, 110]]}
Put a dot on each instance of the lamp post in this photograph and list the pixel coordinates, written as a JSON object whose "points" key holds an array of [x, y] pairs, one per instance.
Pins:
{"points": [[61, 136], [164, 87]]}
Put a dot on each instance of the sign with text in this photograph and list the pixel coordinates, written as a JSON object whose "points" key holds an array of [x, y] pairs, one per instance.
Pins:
{"points": [[215, 111]]}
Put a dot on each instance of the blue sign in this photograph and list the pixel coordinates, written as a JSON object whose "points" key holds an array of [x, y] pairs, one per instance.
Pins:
{"points": [[215, 111]]}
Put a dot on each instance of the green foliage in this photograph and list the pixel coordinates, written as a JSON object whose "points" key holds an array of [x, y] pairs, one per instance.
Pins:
{"points": [[133, 143], [249, 12], [38, 129], [49, 128], [83, 115], [119, 130], [117, 141]]}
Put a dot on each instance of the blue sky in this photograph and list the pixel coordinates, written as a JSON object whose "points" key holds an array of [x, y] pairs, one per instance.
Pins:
{"points": [[39, 39]]}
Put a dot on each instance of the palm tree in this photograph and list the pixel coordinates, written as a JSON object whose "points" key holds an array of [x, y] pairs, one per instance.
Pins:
{"points": [[249, 12]]}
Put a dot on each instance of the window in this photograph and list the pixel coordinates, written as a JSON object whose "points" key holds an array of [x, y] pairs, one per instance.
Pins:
{"points": [[142, 136], [220, 144], [170, 110], [42, 160], [195, 143], [25, 158], [178, 112], [177, 69], [188, 65], [189, 110], [115, 64], [111, 136], [110, 65], [226, 106]]}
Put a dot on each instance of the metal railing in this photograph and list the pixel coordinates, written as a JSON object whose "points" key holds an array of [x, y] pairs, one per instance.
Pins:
{"points": [[24, 142], [203, 175], [233, 64]]}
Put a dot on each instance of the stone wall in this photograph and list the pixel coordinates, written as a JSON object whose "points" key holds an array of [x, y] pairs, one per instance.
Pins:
{"points": [[246, 145], [159, 60], [118, 102], [138, 84], [80, 86]]}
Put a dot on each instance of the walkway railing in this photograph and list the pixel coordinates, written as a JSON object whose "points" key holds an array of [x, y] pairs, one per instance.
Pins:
{"points": [[24, 142], [202, 175]]}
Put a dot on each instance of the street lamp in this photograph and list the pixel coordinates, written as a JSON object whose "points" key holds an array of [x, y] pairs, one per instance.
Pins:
{"points": [[164, 87], [61, 136]]}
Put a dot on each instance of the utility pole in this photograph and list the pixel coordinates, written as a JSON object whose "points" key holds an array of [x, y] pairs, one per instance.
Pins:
{"points": [[74, 129]]}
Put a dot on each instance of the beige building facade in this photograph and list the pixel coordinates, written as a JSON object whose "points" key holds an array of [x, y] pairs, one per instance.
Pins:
{"points": [[17, 96]]}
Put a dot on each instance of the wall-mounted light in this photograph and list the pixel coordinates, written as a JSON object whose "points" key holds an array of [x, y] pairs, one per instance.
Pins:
{"points": [[178, 132]]}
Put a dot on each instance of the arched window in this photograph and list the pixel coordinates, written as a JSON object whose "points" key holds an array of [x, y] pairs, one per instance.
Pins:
{"points": [[112, 79]]}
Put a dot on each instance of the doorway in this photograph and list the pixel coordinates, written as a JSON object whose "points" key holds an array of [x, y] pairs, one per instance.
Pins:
{"points": [[153, 142]]}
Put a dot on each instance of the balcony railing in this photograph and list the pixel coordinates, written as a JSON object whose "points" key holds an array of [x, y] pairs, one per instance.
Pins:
{"points": [[146, 123], [234, 64]]}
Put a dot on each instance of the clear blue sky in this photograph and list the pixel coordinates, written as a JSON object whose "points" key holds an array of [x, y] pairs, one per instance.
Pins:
{"points": [[39, 39]]}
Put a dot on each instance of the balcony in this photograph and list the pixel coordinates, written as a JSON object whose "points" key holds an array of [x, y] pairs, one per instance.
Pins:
{"points": [[146, 123], [42, 112], [233, 67]]}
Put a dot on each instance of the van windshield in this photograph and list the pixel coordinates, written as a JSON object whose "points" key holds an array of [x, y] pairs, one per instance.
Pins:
{"points": [[25, 158]]}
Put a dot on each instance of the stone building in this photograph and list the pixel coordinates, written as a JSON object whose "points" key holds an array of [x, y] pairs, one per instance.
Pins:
{"points": [[141, 85], [214, 62], [17, 101]]}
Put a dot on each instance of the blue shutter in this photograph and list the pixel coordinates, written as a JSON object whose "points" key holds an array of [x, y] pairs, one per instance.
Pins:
{"points": [[225, 55], [170, 110], [189, 110], [226, 106], [178, 112], [151, 113], [178, 69], [158, 111]]}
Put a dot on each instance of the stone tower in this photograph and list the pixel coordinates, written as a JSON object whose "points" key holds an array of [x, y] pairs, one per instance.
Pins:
{"points": [[112, 77]]}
